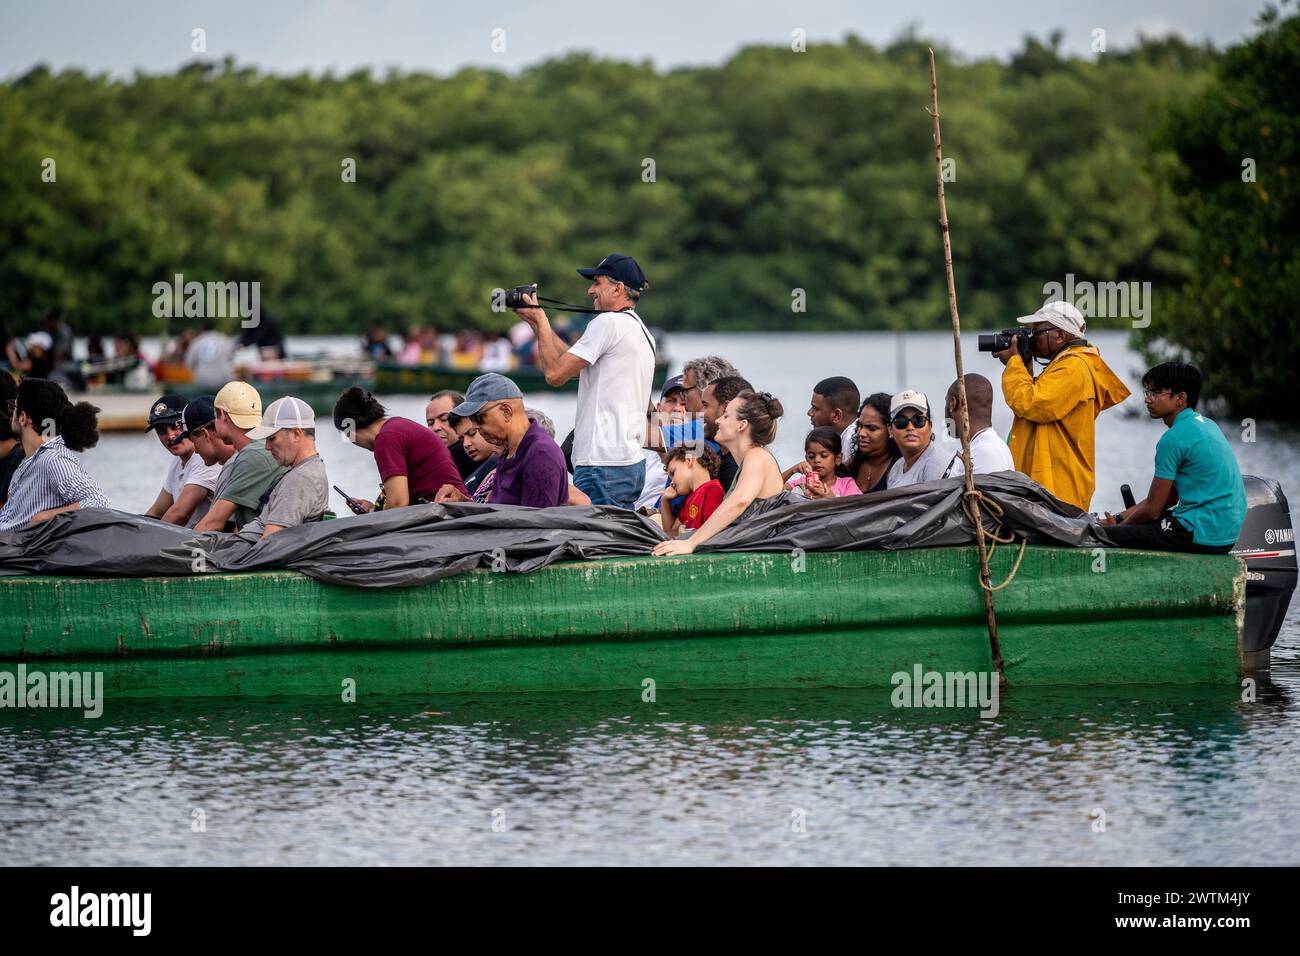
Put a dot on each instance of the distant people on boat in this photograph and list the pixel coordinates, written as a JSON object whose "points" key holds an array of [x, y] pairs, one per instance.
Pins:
{"points": [[988, 452], [1197, 500], [912, 427], [817, 475], [137, 370], [11, 444], [61, 336], [210, 357], [614, 362], [714, 399], [302, 495], [187, 488], [693, 476], [498, 355], [413, 461], [874, 451], [467, 351], [745, 429], [834, 404], [483, 453], [251, 473], [40, 355], [699, 373], [1052, 435], [412, 352], [530, 470], [178, 348], [266, 336], [376, 345], [50, 480], [199, 427], [524, 343], [13, 352]]}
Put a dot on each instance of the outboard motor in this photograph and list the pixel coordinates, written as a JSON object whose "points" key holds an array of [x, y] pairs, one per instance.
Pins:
{"points": [[1267, 544]]}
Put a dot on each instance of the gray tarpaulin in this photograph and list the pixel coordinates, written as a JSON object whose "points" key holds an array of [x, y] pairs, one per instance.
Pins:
{"points": [[423, 543]]}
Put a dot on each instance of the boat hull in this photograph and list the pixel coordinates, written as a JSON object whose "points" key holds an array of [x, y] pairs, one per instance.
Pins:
{"points": [[752, 620]]}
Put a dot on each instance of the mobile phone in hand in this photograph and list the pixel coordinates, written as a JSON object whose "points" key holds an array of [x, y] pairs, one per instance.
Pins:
{"points": [[352, 503]]}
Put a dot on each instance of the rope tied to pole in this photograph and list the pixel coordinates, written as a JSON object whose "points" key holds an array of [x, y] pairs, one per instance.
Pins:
{"points": [[972, 497], [972, 501]]}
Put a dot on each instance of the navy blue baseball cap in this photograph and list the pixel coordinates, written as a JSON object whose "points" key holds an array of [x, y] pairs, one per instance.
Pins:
{"points": [[492, 387], [166, 411], [620, 268], [202, 411]]}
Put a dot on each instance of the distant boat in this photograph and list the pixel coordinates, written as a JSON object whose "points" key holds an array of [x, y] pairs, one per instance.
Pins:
{"points": [[394, 379]]}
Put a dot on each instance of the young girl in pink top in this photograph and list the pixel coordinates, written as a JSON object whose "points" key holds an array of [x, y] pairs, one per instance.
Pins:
{"points": [[817, 478]]}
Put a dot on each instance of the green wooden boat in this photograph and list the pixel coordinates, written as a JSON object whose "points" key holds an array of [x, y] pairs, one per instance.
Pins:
{"points": [[393, 379], [750, 620]]}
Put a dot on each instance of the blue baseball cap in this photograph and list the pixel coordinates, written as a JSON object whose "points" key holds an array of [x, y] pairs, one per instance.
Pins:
{"points": [[492, 387], [620, 268], [202, 411]]}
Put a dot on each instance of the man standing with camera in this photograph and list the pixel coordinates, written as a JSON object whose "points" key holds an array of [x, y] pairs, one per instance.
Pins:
{"points": [[614, 362], [1052, 436]]}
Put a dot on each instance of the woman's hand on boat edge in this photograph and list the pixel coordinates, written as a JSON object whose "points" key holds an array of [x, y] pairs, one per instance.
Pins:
{"points": [[665, 548]]}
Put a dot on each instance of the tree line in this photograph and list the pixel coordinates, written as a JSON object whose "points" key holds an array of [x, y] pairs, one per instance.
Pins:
{"points": [[779, 190]]}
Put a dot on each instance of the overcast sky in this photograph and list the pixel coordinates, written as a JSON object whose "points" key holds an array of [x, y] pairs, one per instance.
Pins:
{"points": [[119, 36]]}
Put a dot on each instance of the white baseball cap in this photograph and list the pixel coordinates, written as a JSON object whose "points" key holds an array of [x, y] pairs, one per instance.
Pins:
{"points": [[1063, 315], [909, 398], [285, 412]]}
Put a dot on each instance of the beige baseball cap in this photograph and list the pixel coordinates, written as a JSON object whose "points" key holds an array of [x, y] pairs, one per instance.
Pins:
{"points": [[241, 402], [909, 398]]}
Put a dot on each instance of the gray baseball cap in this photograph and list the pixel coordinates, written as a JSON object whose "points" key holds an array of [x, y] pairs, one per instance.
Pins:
{"points": [[492, 387]]}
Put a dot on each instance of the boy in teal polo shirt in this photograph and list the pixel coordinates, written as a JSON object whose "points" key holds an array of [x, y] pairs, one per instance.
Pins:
{"points": [[1197, 500]]}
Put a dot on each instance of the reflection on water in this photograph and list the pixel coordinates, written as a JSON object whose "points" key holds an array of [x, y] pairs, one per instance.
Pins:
{"points": [[1182, 776]]}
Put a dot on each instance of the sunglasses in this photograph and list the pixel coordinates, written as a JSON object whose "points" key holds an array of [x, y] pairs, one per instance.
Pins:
{"points": [[902, 421], [478, 416], [11, 406]]}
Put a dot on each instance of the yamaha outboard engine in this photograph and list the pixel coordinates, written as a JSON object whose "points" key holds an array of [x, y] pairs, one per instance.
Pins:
{"points": [[1267, 544]]}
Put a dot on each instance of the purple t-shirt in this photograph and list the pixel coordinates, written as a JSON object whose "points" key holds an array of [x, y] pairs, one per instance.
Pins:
{"points": [[535, 475], [403, 448]]}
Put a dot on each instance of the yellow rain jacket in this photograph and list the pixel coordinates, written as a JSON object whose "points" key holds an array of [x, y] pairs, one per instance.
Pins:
{"points": [[1056, 416]]}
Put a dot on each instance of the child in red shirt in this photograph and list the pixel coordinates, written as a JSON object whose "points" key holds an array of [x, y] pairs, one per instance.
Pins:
{"points": [[692, 472]]}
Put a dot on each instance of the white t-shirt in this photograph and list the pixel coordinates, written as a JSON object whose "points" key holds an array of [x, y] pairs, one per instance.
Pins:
{"points": [[656, 480], [614, 391], [192, 472], [211, 356], [929, 467], [988, 453]]}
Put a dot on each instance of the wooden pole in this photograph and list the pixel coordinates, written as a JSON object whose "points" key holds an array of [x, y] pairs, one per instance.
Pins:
{"points": [[986, 584]]}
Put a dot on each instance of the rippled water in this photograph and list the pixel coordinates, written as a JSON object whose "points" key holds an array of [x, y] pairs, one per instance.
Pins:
{"points": [[1182, 775]]}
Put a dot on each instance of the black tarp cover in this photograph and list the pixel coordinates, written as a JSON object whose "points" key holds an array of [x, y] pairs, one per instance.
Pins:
{"points": [[423, 543]]}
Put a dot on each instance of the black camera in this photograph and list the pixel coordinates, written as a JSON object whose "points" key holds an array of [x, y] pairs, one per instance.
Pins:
{"points": [[514, 298], [998, 341]]}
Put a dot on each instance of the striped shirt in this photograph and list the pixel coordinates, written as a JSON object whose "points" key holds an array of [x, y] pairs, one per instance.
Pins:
{"points": [[51, 477]]}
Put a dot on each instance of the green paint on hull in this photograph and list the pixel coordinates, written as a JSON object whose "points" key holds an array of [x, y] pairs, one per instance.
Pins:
{"points": [[848, 619]]}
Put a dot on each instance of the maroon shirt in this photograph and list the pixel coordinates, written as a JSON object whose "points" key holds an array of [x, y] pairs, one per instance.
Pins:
{"points": [[406, 449]]}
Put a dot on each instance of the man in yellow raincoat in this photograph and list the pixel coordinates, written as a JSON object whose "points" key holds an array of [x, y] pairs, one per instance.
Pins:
{"points": [[1052, 436]]}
